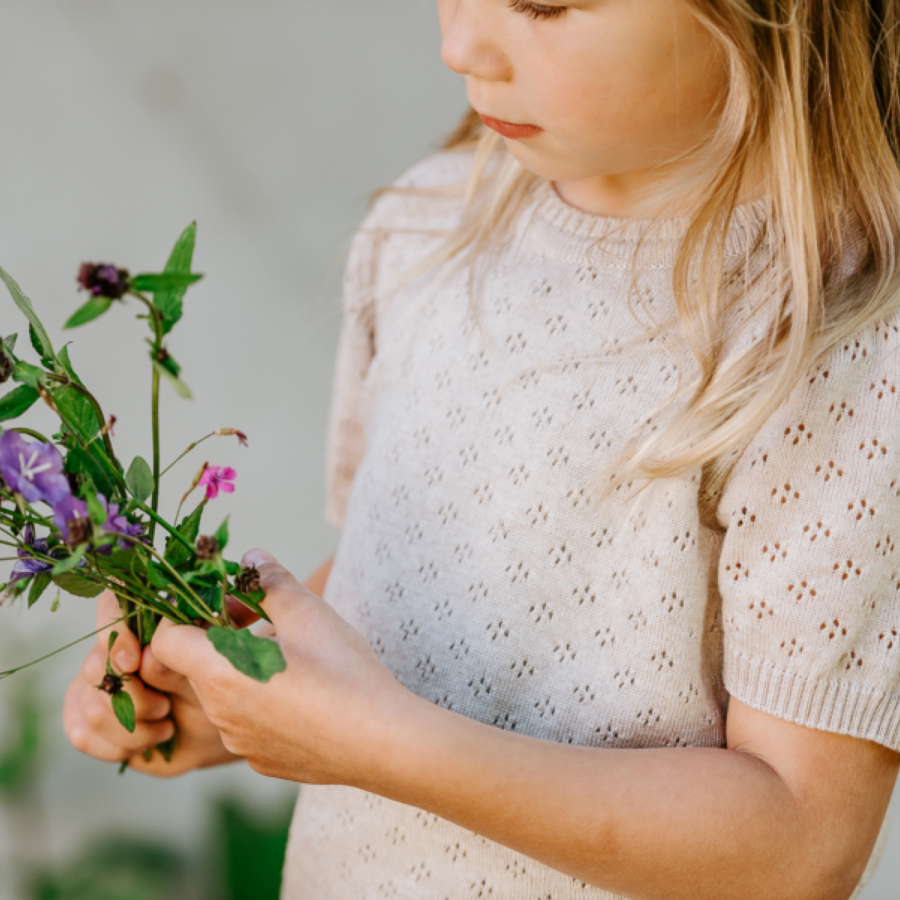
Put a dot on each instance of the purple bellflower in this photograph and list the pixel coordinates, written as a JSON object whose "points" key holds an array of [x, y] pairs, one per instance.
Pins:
{"points": [[29, 565], [34, 470], [72, 519]]}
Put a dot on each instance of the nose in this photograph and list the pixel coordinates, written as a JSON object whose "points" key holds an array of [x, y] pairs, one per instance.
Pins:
{"points": [[472, 39]]}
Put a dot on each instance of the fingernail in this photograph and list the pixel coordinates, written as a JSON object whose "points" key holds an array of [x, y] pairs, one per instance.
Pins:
{"points": [[255, 557], [126, 661]]}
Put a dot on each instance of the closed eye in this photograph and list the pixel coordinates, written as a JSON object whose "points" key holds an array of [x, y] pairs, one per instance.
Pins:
{"points": [[536, 10]]}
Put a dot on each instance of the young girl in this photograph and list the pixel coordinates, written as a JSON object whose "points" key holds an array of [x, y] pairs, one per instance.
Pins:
{"points": [[615, 443]]}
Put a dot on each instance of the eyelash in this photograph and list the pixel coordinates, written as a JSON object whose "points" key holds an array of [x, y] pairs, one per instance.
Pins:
{"points": [[536, 11]]}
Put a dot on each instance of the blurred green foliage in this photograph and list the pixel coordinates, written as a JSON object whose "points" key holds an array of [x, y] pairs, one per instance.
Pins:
{"points": [[243, 860]]}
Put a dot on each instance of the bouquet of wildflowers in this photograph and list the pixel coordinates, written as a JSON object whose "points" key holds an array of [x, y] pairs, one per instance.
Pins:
{"points": [[80, 521]]}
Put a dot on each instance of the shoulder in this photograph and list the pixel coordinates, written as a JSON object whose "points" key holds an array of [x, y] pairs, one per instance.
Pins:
{"points": [[428, 196]]}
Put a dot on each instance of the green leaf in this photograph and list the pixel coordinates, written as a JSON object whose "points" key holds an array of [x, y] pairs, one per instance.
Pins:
{"points": [[167, 281], [167, 748], [46, 361], [70, 562], [222, 535], [112, 641], [78, 586], [25, 373], [139, 479], [67, 365], [123, 707], [77, 412], [170, 301], [90, 463], [9, 342], [180, 387], [251, 601], [24, 304], [95, 509], [39, 584], [176, 552], [258, 658], [93, 309], [17, 402]]}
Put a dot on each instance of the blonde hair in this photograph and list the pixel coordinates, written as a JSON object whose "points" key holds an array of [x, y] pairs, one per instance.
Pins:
{"points": [[811, 103]]}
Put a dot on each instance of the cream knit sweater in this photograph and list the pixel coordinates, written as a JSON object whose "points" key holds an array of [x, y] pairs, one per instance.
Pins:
{"points": [[491, 581]]}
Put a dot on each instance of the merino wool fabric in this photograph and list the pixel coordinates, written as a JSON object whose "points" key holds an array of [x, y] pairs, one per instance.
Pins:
{"points": [[475, 558]]}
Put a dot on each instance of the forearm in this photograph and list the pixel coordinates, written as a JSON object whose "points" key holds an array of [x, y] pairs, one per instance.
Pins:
{"points": [[664, 824]]}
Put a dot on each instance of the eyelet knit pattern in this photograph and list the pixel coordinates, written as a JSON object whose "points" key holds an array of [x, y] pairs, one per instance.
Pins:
{"points": [[492, 582]]}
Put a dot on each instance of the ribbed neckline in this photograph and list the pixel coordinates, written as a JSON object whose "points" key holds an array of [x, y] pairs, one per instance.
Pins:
{"points": [[613, 240]]}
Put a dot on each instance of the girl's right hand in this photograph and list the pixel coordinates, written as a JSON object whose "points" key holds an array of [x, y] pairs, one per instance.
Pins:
{"points": [[159, 695]]}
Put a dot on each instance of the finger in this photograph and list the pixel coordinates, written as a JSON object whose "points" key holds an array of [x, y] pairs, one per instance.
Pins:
{"points": [[283, 591], [126, 652], [149, 704], [160, 677], [187, 650], [240, 615]]}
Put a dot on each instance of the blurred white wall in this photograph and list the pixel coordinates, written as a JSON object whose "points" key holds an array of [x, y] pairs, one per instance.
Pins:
{"points": [[269, 123]]}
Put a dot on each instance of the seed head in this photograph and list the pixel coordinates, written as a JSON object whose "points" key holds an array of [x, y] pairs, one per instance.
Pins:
{"points": [[247, 581], [104, 280], [112, 684], [6, 364], [207, 547], [80, 531]]}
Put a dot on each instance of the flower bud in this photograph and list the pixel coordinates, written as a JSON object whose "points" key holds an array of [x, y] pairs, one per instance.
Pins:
{"points": [[6, 364], [247, 581], [104, 280], [112, 684], [80, 531], [207, 547]]}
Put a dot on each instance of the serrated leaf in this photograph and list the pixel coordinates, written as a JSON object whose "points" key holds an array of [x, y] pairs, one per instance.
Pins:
{"points": [[123, 707], [180, 387], [70, 562], [257, 658], [78, 586], [46, 361], [222, 535], [92, 309], [24, 304], [139, 479], [39, 584], [170, 302], [17, 402], [165, 281], [77, 412]]}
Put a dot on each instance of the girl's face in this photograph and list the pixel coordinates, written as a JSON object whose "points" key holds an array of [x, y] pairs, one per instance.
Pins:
{"points": [[611, 88]]}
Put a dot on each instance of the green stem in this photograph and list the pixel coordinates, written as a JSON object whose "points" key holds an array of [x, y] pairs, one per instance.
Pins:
{"points": [[30, 433], [154, 502], [183, 455], [66, 381], [80, 640]]}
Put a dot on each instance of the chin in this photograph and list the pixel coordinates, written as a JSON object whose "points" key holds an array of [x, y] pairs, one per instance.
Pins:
{"points": [[547, 165]]}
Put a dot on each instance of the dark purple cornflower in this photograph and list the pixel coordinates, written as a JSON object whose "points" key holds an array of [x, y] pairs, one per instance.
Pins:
{"points": [[104, 280], [33, 470], [28, 564]]}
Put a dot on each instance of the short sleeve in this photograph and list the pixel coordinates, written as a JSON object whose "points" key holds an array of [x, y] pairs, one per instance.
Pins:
{"points": [[346, 440], [809, 570]]}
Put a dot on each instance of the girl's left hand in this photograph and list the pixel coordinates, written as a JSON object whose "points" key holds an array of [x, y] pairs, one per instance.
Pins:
{"points": [[325, 719]]}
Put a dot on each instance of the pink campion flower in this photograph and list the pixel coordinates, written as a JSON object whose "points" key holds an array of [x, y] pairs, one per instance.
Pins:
{"points": [[217, 478]]}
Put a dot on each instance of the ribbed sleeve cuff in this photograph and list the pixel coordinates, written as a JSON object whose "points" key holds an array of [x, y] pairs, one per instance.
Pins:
{"points": [[816, 703]]}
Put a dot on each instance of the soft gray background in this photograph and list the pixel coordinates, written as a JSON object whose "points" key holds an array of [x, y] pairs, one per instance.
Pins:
{"points": [[269, 123]]}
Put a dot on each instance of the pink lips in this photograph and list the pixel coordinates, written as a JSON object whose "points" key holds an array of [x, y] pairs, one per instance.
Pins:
{"points": [[511, 130]]}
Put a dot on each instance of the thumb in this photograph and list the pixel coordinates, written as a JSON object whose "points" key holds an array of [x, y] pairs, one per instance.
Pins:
{"points": [[283, 591], [184, 649]]}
